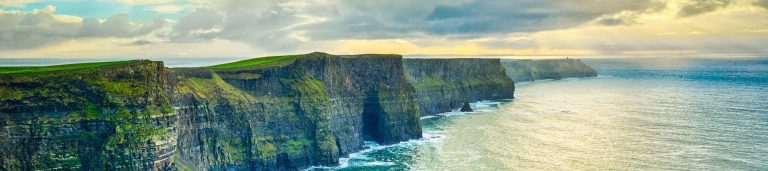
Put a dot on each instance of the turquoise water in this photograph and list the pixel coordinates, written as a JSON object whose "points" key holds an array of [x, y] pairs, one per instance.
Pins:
{"points": [[651, 114]]}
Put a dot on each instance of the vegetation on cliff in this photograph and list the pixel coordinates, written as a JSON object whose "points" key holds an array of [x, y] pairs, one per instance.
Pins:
{"points": [[288, 112], [444, 84], [531, 70], [83, 116], [78, 66], [87, 90], [212, 88], [280, 112], [261, 61]]}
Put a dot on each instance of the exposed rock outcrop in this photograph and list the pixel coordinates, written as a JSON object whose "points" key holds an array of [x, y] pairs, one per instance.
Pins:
{"points": [[275, 113], [444, 84], [466, 107], [293, 113], [286, 114], [530, 70], [115, 117]]}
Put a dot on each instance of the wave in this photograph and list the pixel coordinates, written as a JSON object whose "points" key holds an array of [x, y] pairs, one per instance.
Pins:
{"points": [[433, 136]]}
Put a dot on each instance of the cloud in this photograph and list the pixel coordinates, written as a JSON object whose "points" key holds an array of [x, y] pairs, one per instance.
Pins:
{"points": [[118, 25], [29, 29], [660, 9], [21, 30], [504, 16], [459, 19], [621, 18], [522, 27], [16, 3], [264, 24], [159, 6], [280, 25], [201, 24], [121, 48], [727, 30], [141, 42], [762, 3], [158, 23], [145, 2], [697, 7]]}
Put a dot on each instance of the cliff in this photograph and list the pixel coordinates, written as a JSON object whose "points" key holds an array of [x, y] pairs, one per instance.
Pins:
{"points": [[291, 112], [87, 117], [444, 84], [531, 70], [270, 113]]}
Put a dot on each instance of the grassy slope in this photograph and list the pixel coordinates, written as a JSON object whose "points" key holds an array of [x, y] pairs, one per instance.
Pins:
{"points": [[38, 69], [261, 62], [267, 61]]}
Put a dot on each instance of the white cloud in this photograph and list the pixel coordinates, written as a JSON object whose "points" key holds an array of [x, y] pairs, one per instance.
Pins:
{"points": [[459, 27], [124, 48], [40, 27], [16, 3], [730, 29]]}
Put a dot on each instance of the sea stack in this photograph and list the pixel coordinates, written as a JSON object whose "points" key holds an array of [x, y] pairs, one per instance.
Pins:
{"points": [[466, 107]]}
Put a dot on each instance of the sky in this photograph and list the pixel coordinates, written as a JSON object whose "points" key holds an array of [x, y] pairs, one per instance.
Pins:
{"points": [[252, 28]]}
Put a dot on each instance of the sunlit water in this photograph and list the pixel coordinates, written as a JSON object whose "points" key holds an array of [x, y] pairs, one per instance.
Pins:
{"points": [[648, 114], [653, 114]]}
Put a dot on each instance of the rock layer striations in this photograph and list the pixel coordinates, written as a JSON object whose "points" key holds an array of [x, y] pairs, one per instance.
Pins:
{"points": [[271, 113], [445, 84], [113, 117], [292, 113]]}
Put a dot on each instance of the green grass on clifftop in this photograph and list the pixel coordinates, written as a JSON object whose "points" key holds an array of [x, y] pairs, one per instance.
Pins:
{"points": [[262, 61], [38, 69]]}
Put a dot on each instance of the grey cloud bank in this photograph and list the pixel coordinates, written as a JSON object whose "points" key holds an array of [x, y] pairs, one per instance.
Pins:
{"points": [[290, 26]]}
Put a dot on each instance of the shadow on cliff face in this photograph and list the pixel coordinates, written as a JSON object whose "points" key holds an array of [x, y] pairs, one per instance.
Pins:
{"points": [[272, 113], [371, 118]]}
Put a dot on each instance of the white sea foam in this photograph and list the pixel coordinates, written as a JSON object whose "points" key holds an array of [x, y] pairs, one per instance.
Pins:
{"points": [[428, 136], [522, 83], [428, 117], [604, 76], [662, 119]]}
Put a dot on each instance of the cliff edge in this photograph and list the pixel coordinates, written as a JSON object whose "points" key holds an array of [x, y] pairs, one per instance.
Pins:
{"points": [[290, 112], [445, 84], [89, 116], [270, 113], [527, 70]]}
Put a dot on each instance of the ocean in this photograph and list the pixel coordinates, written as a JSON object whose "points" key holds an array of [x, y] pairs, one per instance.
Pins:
{"points": [[639, 114]]}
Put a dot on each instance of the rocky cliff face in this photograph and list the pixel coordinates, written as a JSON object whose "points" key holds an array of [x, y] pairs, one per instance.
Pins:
{"points": [[116, 117], [531, 70], [444, 84], [293, 113], [280, 113]]}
